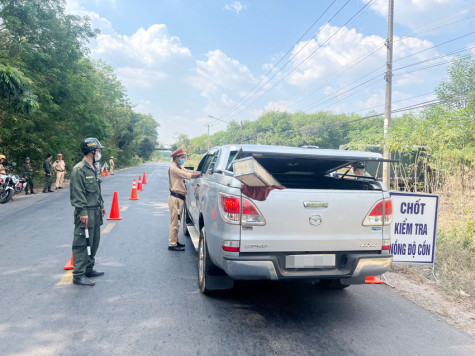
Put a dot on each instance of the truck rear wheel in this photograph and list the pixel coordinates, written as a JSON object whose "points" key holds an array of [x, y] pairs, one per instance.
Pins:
{"points": [[333, 284], [210, 277]]}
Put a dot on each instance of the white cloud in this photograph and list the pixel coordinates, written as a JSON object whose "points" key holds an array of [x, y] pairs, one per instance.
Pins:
{"points": [[416, 14], [235, 7], [281, 106], [345, 51], [219, 75], [139, 77], [148, 46]]}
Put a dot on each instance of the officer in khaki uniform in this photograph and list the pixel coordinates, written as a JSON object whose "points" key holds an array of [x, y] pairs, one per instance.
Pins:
{"points": [[176, 175], [112, 164], [86, 197], [60, 167]]}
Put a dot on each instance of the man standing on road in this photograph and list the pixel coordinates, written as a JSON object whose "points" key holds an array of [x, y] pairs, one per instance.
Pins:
{"points": [[86, 197], [28, 175], [111, 164], [48, 173], [60, 167], [176, 176]]}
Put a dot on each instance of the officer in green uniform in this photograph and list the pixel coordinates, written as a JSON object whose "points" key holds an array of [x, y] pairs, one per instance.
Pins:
{"points": [[48, 173], [28, 175], [85, 196]]}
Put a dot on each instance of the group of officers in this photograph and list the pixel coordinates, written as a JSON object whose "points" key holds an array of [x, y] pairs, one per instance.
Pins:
{"points": [[58, 167]]}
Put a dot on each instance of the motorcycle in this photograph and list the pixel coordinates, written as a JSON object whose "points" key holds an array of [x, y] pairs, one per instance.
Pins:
{"points": [[10, 184]]}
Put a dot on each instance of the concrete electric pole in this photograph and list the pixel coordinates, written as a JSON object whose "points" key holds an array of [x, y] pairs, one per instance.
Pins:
{"points": [[387, 108]]}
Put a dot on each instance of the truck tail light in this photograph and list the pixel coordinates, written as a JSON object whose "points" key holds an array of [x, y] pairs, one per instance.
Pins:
{"points": [[380, 214], [231, 246], [386, 245], [232, 211]]}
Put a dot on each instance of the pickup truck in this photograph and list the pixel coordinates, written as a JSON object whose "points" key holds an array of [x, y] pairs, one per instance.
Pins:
{"points": [[324, 225]]}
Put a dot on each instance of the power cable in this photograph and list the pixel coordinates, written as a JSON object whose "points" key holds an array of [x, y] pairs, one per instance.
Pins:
{"points": [[308, 57]]}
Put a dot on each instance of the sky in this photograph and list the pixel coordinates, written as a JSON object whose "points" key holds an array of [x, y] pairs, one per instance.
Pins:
{"points": [[198, 63]]}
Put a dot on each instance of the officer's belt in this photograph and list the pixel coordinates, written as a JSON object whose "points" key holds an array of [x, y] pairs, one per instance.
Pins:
{"points": [[93, 207], [178, 195]]}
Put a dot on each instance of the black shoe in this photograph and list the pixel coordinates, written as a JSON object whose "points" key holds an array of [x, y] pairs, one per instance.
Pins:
{"points": [[45, 191], [180, 245], [60, 187], [83, 281], [93, 273], [32, 193], [176, 248], [27, 193], [50, 191]]}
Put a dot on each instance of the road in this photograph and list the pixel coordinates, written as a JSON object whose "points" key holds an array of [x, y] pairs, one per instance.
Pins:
{"points": [[148, 301]]}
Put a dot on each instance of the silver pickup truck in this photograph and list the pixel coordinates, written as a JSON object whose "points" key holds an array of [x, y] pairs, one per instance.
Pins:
{"points": [[324, 225]]}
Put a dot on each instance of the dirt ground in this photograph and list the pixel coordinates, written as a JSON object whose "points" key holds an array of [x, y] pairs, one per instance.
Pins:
{"points": [[457, 310]]}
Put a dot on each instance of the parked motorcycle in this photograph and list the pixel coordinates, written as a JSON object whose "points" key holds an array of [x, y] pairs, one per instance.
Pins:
{"points": [[10, 184]]}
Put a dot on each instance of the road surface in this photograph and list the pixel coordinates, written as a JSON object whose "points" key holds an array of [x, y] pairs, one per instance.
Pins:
{"points": [[148, 301]]}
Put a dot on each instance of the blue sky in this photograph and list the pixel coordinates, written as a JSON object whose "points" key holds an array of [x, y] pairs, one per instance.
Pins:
{"points": [[184, 60]]}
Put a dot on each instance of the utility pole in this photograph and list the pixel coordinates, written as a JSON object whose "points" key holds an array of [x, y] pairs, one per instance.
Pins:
{"points": [[387, 106], [241, 132], [208, 136]]}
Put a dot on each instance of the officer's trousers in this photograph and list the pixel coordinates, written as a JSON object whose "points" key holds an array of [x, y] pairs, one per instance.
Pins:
{"points": [[176, 209], [59, 179], [82, 262], [48, 180], [29, 185]]}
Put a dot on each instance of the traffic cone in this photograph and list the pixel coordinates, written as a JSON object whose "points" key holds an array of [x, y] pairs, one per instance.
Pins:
{"points": [[133, 195], [144, 181], [102, 172], [107, 172], [372, 280], [139, 186], [114, 215], [69, 265]]}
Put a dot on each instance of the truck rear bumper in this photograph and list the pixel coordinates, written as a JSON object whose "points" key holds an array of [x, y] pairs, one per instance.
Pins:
{"points": [[357, 267]]}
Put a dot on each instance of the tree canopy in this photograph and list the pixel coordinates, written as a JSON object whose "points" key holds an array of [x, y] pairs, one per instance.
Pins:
{"points": [[52, 95]]}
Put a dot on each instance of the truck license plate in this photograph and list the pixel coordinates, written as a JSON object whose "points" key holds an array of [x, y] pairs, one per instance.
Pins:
{"points": [[310, 261]]}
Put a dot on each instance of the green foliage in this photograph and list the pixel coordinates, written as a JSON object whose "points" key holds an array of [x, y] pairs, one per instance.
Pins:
{"points": [[52, 95]]}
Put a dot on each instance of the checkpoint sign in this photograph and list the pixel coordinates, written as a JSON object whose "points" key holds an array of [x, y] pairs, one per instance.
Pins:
{"points": [[413, 228]]}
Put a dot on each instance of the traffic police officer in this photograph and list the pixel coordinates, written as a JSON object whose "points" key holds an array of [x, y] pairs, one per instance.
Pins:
{"points": [[60, 167], [48, 173], [112, 164], [176, 176], [86, 197], [28, 175]]}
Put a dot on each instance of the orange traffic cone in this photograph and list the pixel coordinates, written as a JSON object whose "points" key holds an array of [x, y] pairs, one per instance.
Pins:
{"points": [[114, 215], [133, 195], [69, 265], [107, 172], [139, 186], [372, 280], [144, 181], [102, 172]]}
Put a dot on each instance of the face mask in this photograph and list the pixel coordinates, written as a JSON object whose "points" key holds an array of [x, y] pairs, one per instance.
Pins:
{"points": [[98, 156], [182, 161]]}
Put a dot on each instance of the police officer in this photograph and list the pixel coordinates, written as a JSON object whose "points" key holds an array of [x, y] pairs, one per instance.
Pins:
{"points": [[28, 175], [48, 173], [112, 164], [359, 169], [86, 197], [60, 167], [176, 176]]}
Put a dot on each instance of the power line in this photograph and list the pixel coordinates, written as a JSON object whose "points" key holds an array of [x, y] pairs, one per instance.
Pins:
{"points": [[280, 60], [307, 58]]}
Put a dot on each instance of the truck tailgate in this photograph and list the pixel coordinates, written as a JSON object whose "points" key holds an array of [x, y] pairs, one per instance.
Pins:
{"points": [[314, 221]]}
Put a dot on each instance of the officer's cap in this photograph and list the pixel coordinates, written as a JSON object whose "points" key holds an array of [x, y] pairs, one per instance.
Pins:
{"points": [[178, 152]]}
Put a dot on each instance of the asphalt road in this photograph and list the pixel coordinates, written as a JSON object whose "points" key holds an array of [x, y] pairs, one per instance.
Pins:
{"points": [[148, 301]]}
